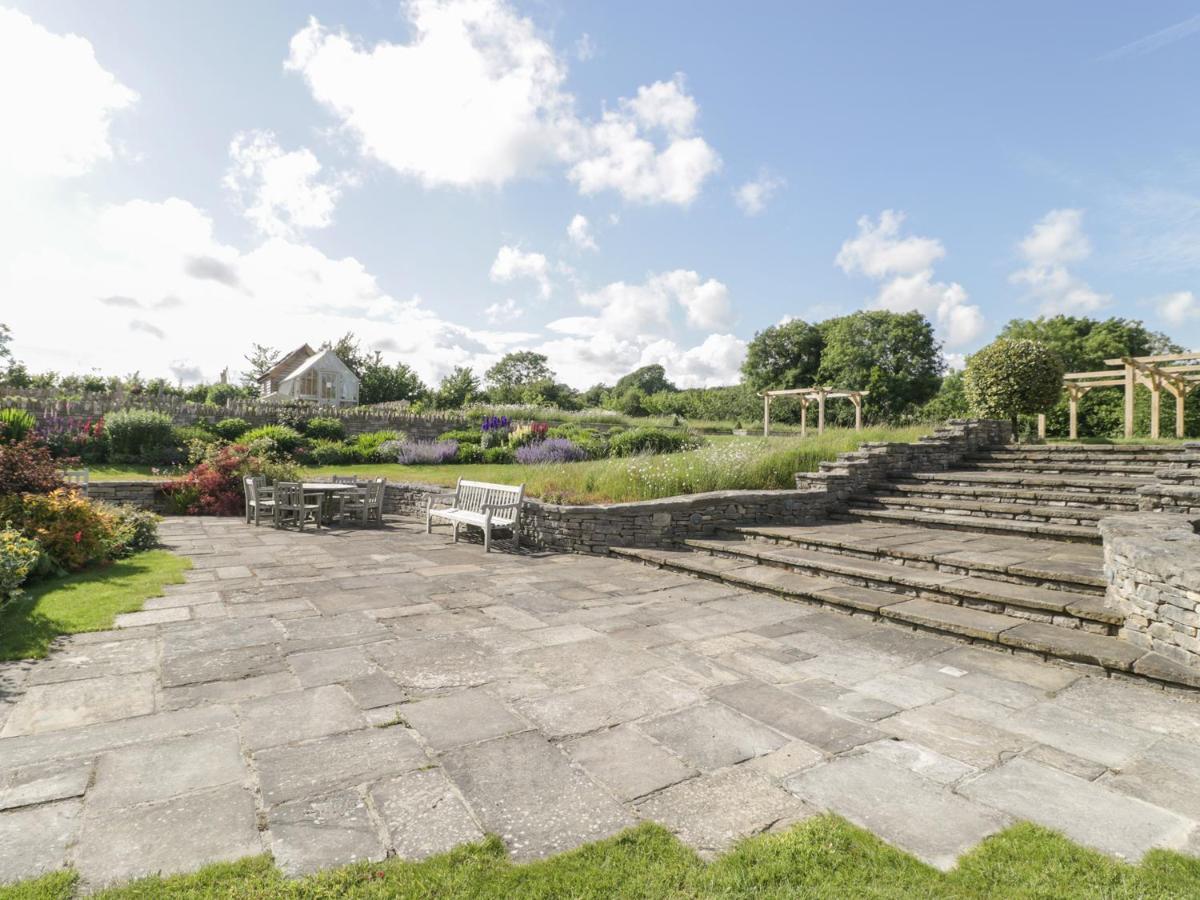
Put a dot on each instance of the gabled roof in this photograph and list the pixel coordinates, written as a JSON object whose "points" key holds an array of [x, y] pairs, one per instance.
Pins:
{"points": [[287, 365], [324, 359]]}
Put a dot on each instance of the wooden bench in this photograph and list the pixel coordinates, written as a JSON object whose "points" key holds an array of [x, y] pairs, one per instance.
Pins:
{"points": [[482, 505]]}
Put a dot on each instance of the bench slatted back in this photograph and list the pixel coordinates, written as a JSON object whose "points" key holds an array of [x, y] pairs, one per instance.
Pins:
{"points": [[474, 495]]}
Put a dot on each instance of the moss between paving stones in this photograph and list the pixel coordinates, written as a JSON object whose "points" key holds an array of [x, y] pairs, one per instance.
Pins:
{"points": [[822, 857]]}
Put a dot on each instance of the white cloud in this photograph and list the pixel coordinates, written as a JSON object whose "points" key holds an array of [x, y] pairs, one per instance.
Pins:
{"points": [[714, 362], [1056, 240], [512, 263], [753, 196], [56, 101], [503, 312], [579, 230], [280, 192], [906, 262], [585, 48], [619, 155], [632, 309], [1180, 307]]}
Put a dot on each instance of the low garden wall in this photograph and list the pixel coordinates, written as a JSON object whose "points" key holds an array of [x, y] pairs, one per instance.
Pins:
{"points": [[1176, 487], [1152, 563], [146, 494]]}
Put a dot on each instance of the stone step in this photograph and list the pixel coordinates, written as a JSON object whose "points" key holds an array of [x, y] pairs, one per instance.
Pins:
{"points": [[1064, 467], [971, 508], [1114, 451], [1020, 600], [1080, 533], [1012, 479], [1075, 568], [994, 494], [1048, 641]]}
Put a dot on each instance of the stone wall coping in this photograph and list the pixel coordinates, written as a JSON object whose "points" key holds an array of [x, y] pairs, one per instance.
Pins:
{"points": [[1164, 543]]}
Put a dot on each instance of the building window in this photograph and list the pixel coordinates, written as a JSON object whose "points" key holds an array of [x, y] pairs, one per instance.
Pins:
{"points": [[308, 385], [328, 386]]}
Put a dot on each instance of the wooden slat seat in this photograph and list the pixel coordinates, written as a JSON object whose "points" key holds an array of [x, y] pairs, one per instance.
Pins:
{"points": [[482, 505]]}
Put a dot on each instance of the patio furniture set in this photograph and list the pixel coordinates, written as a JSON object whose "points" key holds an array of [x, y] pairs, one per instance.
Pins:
{"points": [[319, 503]]}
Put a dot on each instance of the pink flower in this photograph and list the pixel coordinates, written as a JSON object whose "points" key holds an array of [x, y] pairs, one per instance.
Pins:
{"points": [[78, 536]]}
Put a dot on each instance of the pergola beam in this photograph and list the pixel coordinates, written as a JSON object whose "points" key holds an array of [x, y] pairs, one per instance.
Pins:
{"points": [[806, 396], [1178, 380]]}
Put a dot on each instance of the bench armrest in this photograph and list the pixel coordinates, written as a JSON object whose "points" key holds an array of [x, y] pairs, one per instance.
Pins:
{"points": [[438, 502]]}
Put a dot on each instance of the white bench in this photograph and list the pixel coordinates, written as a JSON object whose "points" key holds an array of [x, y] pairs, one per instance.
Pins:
{"points": [[482, 505]]}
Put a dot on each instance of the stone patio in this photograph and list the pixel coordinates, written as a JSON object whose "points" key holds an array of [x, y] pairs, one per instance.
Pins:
{"points": [[343, 695]]}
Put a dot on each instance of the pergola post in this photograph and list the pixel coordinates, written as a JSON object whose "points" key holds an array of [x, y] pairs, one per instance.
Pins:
{"points": [[766, 415], [1041, 426], [821, 412], [1155, 384], [856, 399], [1129, 384], [1073, 396], [804, 417], [1179, 395]]}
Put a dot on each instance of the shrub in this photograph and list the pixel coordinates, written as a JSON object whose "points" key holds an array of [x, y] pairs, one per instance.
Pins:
{"points": [[370, 447], [324, 428], [426, 453], [551, 450], [230, 429], [332, 453], [1010, 377], [28, 467], [220, 394], [19, 556], [133, 530], [139, 436], [74, 436], [462, 435], [469, 453], [187, 435], [527, 434], [15, 424], [285, 439], [592, 442], [214, 487], [650, 440], [71, 530], [498, 456]]}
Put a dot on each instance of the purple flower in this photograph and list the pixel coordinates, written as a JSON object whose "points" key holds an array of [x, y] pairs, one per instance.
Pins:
{"points": [[551, 450], [427, 453]]}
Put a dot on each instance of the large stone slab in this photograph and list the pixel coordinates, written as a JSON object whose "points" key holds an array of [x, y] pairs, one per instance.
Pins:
{"points": [[45, 783], [436, 664], [795, 717], [232, 664], [587, 662], [714, 811], [913, 813], [1166, 774], [171, 836], [524, 790], [711, 735], [965, 739], [627, 763], [603, 705], [323, 832], [158, 770], [461, 718], [424, 814], [92, 660], [296, 716], [36, 839], [338, 665], [74, 704], [1090, 813]]}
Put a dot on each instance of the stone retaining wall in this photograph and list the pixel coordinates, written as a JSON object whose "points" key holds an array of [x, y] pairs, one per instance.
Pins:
{"points": [[876, 461], [146, 494], [1176, 487], [1152, 563]]}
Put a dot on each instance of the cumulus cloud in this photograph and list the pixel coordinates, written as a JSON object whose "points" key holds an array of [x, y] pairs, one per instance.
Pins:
{"points": [[280, 192], [579, 230], [56, 101], [753, 196], [477, 98], [512, 263], [505, 311], [1055, 241], [620, 155], [1179, 308], [212, 269], [147, 328], [904, 263]]}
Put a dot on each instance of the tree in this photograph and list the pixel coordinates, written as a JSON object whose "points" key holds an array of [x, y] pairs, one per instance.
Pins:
{"points": [[381, 383], [950, 402], [5, 340], [261, 359], [1009, 378], [783, 356], [650, 379], [458, 389], [594, 396], [893, 355], [348, 350], [516, 371]]}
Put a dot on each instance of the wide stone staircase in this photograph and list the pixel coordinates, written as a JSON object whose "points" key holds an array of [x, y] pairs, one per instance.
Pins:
{"points": [[1002, 549]]}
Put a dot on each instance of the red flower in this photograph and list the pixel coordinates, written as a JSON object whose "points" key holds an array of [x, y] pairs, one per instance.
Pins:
{"points": [[78, 536]]}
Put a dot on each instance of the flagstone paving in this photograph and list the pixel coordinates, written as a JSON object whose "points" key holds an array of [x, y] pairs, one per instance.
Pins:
{"points": [[343, 695]]}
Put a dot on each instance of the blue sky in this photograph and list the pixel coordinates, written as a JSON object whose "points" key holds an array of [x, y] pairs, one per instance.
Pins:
{"points": [[183, 180]]}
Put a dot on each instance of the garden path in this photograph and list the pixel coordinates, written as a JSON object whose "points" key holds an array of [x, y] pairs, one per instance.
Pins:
{"points": [[342, 695]]}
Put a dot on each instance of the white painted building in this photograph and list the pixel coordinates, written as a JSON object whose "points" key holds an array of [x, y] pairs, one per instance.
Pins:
{"points": [[317, 376]]}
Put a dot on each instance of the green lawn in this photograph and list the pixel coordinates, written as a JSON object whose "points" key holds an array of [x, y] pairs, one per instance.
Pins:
{"points": [[725, 463], [824, 857], [85, 601]]}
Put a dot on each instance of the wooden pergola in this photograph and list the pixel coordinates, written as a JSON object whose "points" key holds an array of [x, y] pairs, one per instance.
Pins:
{"points": [[1177, 373], [806, 396]]}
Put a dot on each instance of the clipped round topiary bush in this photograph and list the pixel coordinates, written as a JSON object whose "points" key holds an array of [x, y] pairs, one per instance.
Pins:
{"points": [[325, 428], [230, 429], [1009, 378]]}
